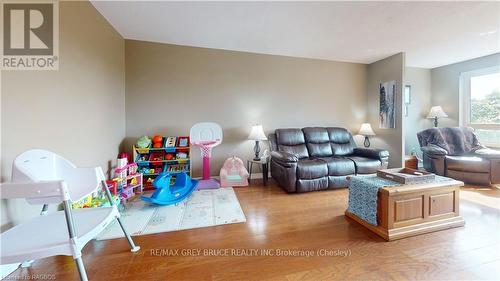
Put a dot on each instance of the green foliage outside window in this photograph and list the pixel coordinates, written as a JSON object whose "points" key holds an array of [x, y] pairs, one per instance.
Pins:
{"points": [[486, 110]]}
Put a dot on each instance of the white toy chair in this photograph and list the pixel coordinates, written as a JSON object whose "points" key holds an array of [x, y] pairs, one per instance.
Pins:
{"points": [[43, 177], [233, 173]]}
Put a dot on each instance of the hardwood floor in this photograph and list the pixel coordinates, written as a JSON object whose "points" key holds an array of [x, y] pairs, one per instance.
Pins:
{"points": [[311, 221]]}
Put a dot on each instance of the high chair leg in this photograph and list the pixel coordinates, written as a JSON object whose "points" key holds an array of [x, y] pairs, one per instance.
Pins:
{"points": [[81, 269], [133, 248]]}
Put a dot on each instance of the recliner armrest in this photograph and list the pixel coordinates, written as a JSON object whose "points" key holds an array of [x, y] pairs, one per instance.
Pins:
{"points": [[284, 157], [371, 153], [488, 153], [433, 150]]}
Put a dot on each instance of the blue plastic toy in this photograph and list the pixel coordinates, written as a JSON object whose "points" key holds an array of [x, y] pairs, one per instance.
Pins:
{"points": [[168, 195]]}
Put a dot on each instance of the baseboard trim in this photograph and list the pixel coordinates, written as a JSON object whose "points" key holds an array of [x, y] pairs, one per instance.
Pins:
{"points": [[253, 176]]}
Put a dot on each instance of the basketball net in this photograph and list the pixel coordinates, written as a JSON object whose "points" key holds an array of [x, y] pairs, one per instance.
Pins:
{"points": [[206, 147]]}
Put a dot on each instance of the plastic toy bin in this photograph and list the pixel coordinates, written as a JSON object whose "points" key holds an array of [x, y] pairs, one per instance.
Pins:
{"points": [[142, 158], [142, 150], [182, 143], [156, 157]]}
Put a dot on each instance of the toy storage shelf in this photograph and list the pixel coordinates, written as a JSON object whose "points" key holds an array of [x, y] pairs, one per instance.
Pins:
{"points": [[154, 160]]}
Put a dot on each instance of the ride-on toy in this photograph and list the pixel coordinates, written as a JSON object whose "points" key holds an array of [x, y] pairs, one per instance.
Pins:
{"points": [[165, 194]]}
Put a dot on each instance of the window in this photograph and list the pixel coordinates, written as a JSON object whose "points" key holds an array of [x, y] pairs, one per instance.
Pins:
{"points": [[480, 104]]}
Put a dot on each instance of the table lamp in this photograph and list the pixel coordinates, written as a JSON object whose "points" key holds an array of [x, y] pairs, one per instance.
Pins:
{"points": [[257, 134], [436, 113], [366, 130]]}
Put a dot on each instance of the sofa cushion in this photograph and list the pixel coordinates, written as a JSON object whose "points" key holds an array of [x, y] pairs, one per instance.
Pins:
{"points": [[319, 149], [366, 165], [311, 169], [290, 137], [292, 141], [298, 150], [471, 164], [339, 166], [318, 142], [341, 141]]}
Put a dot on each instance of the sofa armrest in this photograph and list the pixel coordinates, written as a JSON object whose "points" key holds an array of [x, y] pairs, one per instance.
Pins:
{"points": [[284, 157], [371, 153], [433, 150], [488, 153]]}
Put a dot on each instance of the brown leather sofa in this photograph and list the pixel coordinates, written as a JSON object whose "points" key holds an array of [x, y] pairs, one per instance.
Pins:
{"points": [[319, 158], [455, 152]]}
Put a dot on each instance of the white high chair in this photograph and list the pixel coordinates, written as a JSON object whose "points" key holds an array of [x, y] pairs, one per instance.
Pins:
{"points": [[43, 177]]}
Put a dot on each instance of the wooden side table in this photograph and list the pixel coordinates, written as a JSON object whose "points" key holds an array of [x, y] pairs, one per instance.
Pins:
{"points": [[265, 168]]}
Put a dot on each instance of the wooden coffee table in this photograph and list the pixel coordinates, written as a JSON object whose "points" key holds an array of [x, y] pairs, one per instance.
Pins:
{"points": [[409, 210]]}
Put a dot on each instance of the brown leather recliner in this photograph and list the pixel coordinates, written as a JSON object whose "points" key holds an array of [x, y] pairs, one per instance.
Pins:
{"points": [[455, 152], [319, 158]]}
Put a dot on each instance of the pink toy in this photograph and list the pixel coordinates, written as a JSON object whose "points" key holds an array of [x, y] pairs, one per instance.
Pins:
{"points": [[127, 178], [233, 173], [206, 135]]}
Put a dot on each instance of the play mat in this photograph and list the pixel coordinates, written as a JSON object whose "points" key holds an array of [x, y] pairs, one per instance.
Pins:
{"points": [[203, 208]]}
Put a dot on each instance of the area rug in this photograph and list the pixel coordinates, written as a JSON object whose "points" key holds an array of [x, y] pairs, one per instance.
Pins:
{"points": [[203, 208]]}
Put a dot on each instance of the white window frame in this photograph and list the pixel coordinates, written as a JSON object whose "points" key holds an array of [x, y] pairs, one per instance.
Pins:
{"points": [[465, 97]]}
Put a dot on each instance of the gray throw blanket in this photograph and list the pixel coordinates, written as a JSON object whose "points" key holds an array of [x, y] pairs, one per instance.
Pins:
{"points": [[455, 140], [363, 196]]}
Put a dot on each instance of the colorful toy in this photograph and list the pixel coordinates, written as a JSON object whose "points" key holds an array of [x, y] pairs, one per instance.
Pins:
{"points": [[125, 155], [113, 187], [206, 135], [233, 173], [183, 142], [142, 158], [169, 156], [181, 155], [96, 200], [157, 156], [127, 180], [170, 142], [157, 141], [143, 142], [165, 194], [177, 168]]}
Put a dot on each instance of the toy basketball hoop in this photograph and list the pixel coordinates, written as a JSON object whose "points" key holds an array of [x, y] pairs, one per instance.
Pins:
{"points": [[206, 135]]}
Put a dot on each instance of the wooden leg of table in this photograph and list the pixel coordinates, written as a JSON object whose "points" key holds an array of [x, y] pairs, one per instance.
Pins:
{"points": [[250, 166], [264, 173]]}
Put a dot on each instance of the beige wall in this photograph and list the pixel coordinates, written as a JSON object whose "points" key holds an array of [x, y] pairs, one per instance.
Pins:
{"points": [[420, 81], [77, 111], [388, 69], [169, 88], [446, 81]]}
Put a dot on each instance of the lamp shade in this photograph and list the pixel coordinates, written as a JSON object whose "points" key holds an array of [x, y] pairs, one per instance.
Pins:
{"points": [[436, 111], [366, 130], [257, 133]]}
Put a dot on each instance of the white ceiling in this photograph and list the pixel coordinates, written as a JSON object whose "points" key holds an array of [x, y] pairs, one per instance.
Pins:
{"points": [[431, 33]]}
